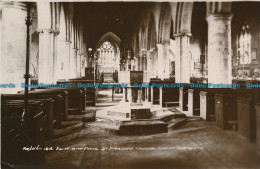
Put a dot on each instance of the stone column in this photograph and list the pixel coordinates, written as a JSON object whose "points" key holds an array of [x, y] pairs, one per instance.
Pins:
{"points": [[166, 63], [219, 48], [160, 61], [149, 63], [142, 59], [13, 46], [163, 60], [83, 64], [73, 63], [78, 63], [55, 59], [185, 58], [67, 59], [177, 59], [46, 59]]}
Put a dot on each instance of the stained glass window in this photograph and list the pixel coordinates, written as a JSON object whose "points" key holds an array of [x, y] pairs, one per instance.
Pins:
{"points": [[106, 46], [107, 57]]}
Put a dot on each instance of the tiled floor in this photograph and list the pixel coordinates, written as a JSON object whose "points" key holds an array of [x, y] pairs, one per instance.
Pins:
{"points": [[197, 144]]}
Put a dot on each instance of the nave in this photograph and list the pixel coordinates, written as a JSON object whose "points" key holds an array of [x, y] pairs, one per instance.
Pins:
{"points": [[66, 52], [206, 146]]}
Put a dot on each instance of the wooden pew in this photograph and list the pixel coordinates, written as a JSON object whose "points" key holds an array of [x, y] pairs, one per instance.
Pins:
{"points": [[247, 116], [33, 125], [226, 107], [257, 109], [183, 97], [170, 96], [90, 93], [193, 102], [64, 99], [57, 104], [48, 106], [207, 102], [12, 146], [77, 99]]}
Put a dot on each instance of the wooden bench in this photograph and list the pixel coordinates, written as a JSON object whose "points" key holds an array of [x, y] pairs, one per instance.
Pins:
{"points": [[90, 93], [48, 106], [193, 102], [13, 142], [77, 100], [64, 98], [33, 124], [183, 97], [257, 109], [247, 116], [207, 102], [57, 104], [171, 103], [226, 107], [170, 96]]}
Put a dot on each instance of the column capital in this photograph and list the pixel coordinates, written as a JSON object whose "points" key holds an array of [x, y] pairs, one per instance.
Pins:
{"points": [[182, 34], [163, 45], [68, 42], [56, 32], [143, 52], [45, 31], [159, 45], [151, 50], [219, 16], [74, 49]]}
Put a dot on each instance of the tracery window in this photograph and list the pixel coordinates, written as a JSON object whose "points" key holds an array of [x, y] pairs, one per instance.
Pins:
{"points": [[107, 57], [244, 49]]}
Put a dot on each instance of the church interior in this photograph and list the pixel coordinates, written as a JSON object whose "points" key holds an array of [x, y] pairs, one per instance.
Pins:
{"points": [[129, 85]]}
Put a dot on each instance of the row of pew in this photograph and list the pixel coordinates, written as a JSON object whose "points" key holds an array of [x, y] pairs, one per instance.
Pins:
{"points": [[47, 108], [230, 108]]}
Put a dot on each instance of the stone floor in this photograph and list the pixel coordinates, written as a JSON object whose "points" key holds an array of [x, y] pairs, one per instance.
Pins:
{"points": [[196, 144]]}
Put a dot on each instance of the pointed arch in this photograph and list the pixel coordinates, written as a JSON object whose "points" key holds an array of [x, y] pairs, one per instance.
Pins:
{"points": [[111, 37], [165, 23], [143, 38], [151, 42]]}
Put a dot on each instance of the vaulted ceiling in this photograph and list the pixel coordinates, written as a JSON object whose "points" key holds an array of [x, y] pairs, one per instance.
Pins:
{"points": [[117, 17]]}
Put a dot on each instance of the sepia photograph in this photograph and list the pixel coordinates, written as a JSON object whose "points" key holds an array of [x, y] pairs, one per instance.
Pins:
{"points": [[123, 84]]}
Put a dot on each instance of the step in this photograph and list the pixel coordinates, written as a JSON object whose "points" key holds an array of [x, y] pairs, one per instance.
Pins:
{"points": [[106, 127], [142, 127], [133, 127], [176, 123]]}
